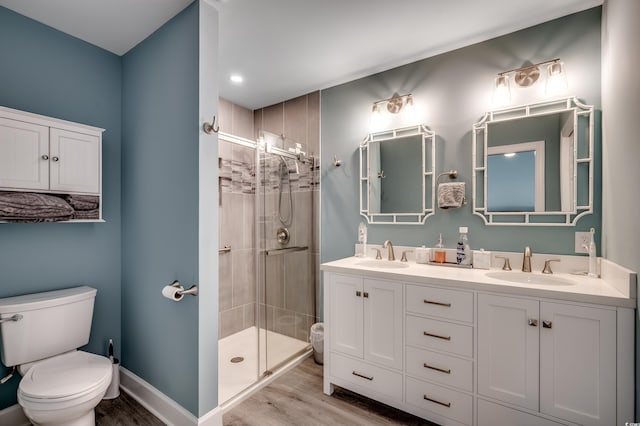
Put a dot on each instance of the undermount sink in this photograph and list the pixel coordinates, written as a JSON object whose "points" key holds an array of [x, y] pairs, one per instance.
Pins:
{"points": [[529, 278], [382, 264]]}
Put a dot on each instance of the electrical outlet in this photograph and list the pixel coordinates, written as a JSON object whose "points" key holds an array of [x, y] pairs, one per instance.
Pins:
{"points": [[582, 242]]}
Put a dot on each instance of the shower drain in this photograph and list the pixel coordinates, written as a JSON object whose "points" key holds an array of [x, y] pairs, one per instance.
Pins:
{"points": [[237, 359]]}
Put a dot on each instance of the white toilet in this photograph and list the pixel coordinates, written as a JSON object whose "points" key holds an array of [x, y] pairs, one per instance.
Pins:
{"points": [[40, 334]]}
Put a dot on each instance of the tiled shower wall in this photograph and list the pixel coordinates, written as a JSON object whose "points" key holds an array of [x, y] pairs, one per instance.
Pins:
{"points": [[289, 301]]}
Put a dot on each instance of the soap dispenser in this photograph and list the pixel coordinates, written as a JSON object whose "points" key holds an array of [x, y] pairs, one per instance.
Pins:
{"points": [[440, 254]]}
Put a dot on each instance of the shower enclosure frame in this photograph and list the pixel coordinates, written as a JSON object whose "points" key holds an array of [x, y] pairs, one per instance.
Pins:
{"points": [[260, 149]]}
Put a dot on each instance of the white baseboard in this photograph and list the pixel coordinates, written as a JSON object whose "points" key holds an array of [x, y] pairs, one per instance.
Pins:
{"points": [[161, 406], [14, 416]]}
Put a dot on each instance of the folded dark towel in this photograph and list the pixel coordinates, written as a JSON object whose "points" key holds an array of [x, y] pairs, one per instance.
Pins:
{"points": [[35, 219], [87, 214], [29, 205], [83, 202]]}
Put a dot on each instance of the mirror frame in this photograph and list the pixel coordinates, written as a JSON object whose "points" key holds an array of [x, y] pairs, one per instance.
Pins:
{"points": [[539, 218], [428, 180]]}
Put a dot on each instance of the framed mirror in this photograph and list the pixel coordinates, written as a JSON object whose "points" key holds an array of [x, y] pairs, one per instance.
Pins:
{"points": [[533, 164], [396, 176]]}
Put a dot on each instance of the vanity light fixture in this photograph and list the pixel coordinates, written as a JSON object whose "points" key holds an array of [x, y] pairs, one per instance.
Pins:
{"points": [[381, 110], [556, 79]]}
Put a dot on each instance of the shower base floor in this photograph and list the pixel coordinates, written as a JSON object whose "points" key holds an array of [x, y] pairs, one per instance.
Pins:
{"points": [[234, 377]]}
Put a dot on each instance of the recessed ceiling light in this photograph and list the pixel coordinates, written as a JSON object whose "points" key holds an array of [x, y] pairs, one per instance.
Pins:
{"points": [[236, 78]]}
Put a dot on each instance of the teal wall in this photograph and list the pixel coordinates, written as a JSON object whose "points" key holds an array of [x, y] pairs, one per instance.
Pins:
{"points": [[452, 91], [47, 72], [160, 207]]}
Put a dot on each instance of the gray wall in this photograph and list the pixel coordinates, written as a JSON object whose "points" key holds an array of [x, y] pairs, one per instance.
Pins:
{"points": [[453, 90], [47, 72], [621, 150], [160, 207]]}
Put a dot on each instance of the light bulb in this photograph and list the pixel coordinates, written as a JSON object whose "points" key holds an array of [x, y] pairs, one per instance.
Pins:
{"points": [[378, 119], [556, 79], [501, 91]]}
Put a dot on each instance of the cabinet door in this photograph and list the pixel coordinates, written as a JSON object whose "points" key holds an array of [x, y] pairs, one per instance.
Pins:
{"points": [[345, 314], [24, 155], [383, 323], [578, 363], [75, 162], [508, 349]]}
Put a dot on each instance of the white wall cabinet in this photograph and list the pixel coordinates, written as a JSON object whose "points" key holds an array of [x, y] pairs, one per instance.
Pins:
{"points": [[555, 358], [43, 154], [476, 357]]}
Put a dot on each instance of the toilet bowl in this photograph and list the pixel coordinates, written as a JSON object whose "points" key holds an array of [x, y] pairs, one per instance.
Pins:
{"points": [[40, 334], [65, 389]]}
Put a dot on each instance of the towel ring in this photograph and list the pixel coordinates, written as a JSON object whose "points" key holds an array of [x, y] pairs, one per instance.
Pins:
{"points": [[452, 175]]}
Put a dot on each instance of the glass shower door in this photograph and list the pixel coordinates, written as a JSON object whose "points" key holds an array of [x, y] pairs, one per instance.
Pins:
{"points": [[286, 274]]}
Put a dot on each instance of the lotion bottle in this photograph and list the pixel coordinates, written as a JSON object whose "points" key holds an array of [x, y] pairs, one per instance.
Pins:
{"points": [[593, 266]]}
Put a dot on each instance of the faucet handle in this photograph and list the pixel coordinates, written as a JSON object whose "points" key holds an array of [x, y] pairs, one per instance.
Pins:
{"points": [[404, 255], [547, 266], [378, 253], [507, 265]]}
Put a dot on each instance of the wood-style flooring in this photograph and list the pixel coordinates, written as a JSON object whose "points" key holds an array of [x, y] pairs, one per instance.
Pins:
{"points": [[296, 398], [124, 411]]}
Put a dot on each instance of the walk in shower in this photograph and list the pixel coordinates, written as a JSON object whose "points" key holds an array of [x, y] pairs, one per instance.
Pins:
{"points": [[267, 258]]}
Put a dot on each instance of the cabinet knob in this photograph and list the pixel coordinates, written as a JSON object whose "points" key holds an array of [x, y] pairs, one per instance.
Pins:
{"points": [[366, 294], [54, 159], [45, 157], [533, 322], [546, 324], [358, 293]]}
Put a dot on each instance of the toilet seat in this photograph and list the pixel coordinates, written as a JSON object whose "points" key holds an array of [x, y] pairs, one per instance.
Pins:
{"points": [[69, 377]]}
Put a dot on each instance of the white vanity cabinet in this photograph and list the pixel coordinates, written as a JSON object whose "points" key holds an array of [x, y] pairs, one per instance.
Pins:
{"points": [[364, 344], [463, 352], [555, 358], [43, 154]]}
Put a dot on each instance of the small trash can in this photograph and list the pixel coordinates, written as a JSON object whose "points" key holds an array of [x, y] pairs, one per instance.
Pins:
{"points": [[317, 341]]}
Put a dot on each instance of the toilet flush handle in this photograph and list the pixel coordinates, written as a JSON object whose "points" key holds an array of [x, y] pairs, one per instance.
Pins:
{"points": [[8, 377], [16, 317]]}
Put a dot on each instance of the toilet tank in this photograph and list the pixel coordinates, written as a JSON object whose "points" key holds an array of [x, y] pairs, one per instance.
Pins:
{"points": [[52, 323]]}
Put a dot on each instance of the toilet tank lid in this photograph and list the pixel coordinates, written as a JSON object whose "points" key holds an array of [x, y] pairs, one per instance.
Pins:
{"points": [[29, 302]]}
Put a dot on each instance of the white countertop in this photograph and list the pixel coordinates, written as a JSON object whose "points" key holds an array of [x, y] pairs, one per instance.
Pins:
{"points": [[615, 288]]}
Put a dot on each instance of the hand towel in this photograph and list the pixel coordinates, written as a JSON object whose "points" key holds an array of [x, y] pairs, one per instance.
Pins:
{"points": [[451, 195]]}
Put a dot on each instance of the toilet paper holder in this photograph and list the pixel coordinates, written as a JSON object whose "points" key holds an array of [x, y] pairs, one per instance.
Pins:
{"points": [[193, 290]]}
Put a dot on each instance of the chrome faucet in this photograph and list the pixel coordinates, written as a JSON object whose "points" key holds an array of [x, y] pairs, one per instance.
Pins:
{"points": [[526, 260], [387, 245]]}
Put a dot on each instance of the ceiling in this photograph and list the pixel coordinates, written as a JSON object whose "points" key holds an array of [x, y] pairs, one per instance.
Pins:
{"points": [[286, 48]]}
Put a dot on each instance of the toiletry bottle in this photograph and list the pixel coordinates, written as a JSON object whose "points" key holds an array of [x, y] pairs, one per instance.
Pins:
{"points": [[463, 255], [592, 256], [422, 255], [362, 240], [440, 252]]}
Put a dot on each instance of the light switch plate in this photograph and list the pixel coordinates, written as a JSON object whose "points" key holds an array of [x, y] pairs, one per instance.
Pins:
{"points": [[582, 242]]}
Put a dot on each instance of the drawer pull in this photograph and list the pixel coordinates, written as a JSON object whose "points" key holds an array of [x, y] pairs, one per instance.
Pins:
{"points": [[442, 370], [431, 302], [446, 404], [436, 336], [362, 375]]}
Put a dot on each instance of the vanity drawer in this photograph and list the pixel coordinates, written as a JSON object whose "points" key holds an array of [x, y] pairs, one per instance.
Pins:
{"points": [[440, 335], [375, 379], [440, 302], [440, 368], [446, 402]]}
